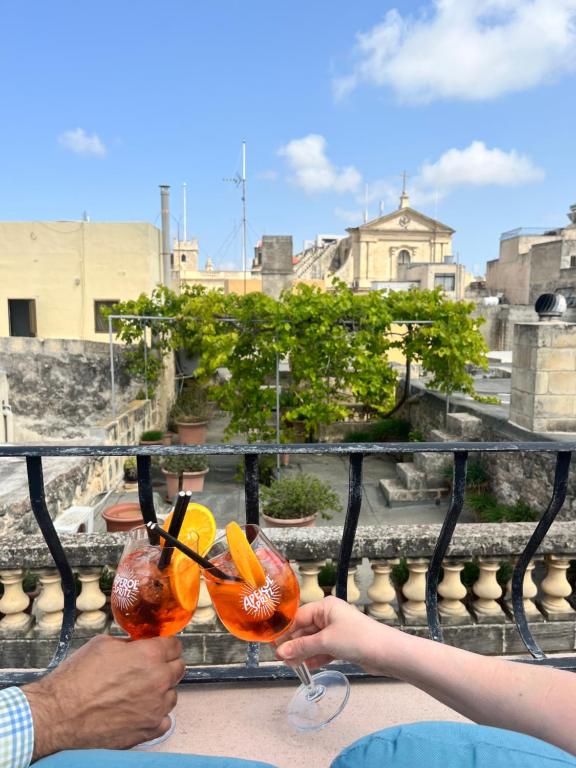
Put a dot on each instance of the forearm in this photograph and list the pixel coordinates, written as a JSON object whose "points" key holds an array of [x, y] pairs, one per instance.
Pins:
{"points": [[519, 697]]}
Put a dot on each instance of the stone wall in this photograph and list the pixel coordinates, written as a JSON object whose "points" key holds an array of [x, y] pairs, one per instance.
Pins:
{"points": [[73, 480], [543, 387], [513, 476], [59, 388], [499, 322]]}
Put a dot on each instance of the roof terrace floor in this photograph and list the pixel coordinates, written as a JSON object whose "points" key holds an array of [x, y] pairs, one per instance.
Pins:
{"points": [[249, 720]]}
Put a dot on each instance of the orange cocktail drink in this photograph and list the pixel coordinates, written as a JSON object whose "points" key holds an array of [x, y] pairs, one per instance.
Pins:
{"points": [[149, 597], [261, 611]]}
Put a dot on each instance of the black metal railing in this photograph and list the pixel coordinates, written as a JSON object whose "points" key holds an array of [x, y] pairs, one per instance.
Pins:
{"points": [[356, 453]]}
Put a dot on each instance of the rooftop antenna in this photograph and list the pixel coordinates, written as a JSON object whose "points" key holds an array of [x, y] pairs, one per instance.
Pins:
{"points": [[240, 181], [184, 222]]}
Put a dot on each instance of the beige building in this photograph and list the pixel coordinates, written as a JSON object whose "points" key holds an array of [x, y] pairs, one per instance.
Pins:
{"points": [[185, 271], [532, 262], [56, 276], [400, 250]]}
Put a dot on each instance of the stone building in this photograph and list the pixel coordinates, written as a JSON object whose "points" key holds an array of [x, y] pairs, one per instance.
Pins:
{"points": [[56, 276], [400, 250], [532, 262]]}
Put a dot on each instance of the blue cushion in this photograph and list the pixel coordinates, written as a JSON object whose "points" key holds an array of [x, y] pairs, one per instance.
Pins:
{"points": [[451, 745], [110, 758]]}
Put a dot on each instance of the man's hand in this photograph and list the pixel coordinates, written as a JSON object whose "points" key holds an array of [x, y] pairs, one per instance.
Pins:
{"points": [[112, 693]]}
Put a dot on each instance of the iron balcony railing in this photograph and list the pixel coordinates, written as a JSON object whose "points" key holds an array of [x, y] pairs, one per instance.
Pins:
{"points": [[355, 453]]}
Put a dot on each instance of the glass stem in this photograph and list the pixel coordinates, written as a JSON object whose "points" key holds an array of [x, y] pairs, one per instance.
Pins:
{"points": [[314, 691]]}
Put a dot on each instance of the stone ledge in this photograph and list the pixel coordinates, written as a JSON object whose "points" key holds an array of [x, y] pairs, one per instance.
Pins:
{"points": [[220, 648], [372, 541]]}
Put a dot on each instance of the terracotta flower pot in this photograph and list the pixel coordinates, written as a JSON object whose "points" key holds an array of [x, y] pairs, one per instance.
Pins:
{"points": [[123, 517], [193, 481], [172, 484], [192, 433], [278, 522]]}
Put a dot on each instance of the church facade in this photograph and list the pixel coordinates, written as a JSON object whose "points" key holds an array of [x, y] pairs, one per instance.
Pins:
{"points": [[400, 250]]}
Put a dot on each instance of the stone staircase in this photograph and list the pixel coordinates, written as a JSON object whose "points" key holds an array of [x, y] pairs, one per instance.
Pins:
{"points": [[423, 480], [314, 262]]}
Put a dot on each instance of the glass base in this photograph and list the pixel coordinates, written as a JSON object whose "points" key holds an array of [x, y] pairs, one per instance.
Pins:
{"points": [[312, 709], [159, 739]]}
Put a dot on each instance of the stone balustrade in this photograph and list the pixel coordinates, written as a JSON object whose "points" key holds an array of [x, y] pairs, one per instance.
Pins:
{"points": [[476, 615]]}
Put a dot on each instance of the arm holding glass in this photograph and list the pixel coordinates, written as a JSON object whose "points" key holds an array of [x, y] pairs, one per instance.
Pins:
{"points": [[534, 700], [111, 694]]}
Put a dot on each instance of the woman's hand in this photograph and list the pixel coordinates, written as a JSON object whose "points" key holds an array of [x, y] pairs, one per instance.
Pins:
{"points": [[332, 629]]}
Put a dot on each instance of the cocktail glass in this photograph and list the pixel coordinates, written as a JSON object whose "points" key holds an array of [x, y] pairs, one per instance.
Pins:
{"points": [[264, 614], [154, 593]]}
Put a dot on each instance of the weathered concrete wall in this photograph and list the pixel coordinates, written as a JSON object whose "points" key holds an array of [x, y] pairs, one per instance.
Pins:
{"points": [[69, 481], [499, 322], [277, 269], [513, 476], [59, 388]]}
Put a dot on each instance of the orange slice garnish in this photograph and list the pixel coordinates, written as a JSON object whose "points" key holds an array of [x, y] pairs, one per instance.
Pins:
{"points": [[243, 556], [198, 521], [185, 580]]}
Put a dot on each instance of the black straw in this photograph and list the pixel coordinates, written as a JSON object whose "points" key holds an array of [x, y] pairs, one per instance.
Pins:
{"points": [[175, 525], [202, 561]]}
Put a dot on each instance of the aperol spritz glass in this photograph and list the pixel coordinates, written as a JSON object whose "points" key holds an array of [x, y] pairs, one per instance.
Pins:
{"points": [[155, 592], [264, 614]]}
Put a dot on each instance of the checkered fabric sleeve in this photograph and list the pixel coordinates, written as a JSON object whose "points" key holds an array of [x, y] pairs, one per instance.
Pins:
{"points": [[16, 729]]}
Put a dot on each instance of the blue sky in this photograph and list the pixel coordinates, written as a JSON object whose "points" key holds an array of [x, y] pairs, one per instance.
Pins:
{"points": [[474, 99]]}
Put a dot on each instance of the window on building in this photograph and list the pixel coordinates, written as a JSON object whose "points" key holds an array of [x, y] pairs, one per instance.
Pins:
{"points": [[446, 282], [22, 317], [183, 258], [101, 322], [404, 256], [573, 261]]}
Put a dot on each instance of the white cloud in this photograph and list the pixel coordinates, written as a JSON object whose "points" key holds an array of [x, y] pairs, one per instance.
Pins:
{"points": [[477, 165], [79, 142], [474, 166], [467, 50], [312, 171]]}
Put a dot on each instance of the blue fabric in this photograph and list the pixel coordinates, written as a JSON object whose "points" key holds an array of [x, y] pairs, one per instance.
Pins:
{"points": [[110, 758], [451, 745]]}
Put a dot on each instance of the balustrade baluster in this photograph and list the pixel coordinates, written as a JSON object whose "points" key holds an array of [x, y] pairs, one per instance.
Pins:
{"points": [[382, 592], [90, 600], [556, 588], [529, 591], [50, 603], [310, 590], [414, 590], [13, 604], [488, 591], [452, 592], [352, 591]]}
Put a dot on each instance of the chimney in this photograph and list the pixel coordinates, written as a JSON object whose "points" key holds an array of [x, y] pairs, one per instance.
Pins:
{"points": [[166, 259]]}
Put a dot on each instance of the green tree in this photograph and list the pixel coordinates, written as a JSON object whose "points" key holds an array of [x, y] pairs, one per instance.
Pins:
{"points": [[338, 345]]}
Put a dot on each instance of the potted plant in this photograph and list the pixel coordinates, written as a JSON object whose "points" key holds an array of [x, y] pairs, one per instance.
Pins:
{"points": [[327, 577], [297, 500], [184, 473], [130, 473], [152, 437], [190, 413]]}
